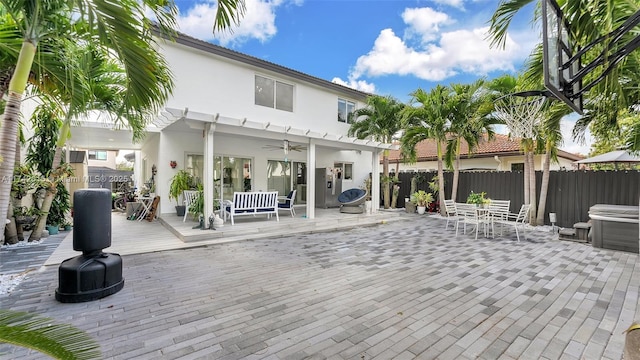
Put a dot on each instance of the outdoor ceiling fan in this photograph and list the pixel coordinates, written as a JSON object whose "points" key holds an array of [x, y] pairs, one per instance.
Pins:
{"points": [[286, 146]]}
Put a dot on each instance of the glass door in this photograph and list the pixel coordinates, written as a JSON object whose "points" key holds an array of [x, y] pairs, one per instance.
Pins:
{"points": [[284, 176], [279, 177], [300, 182], [231, 174]]}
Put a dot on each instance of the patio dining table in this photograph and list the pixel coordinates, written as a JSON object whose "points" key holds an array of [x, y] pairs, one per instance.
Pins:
{"points": [[481, 215]]}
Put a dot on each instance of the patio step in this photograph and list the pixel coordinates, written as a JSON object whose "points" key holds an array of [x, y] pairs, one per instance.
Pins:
{"points": [[263, 228], [579, 233]]}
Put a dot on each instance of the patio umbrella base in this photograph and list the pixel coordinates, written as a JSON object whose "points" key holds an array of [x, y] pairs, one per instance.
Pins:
{"points": [[89, 277]]}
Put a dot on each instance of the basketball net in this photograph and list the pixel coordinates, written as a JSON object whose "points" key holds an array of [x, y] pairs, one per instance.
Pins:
{"points": [[521, 114]]}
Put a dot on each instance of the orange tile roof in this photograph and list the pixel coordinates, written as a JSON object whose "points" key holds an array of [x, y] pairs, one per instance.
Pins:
{"points": [[501, 145]]}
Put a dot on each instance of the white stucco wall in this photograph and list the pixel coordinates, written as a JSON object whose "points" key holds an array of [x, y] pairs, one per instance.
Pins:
{"points": [[210, 84], [174, 145]]}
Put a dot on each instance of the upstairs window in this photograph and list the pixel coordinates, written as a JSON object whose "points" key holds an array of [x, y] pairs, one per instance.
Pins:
{"points": [[345, 108], [274, 94]]}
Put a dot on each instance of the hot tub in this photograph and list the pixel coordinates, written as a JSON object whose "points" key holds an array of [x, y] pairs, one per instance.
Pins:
{"points": [[615, 227]]}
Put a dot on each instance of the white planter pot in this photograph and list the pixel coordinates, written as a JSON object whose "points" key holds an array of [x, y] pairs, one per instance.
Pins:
{"points": [[367, 206], [421, 209]]}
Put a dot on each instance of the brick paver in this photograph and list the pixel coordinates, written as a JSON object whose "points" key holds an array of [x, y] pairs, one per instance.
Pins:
{"points": [[404, 290]]}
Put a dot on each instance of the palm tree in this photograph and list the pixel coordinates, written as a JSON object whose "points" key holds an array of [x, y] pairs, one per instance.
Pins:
{"points": [[119, 29], [503, 88], [380, 121], [550, 137], [471, 105], [427, 117]]}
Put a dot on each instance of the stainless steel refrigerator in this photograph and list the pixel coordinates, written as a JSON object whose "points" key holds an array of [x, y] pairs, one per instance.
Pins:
{"points": [[328, 187]]}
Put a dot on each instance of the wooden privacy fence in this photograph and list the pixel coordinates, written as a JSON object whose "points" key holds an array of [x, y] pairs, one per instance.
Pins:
{"points": [[570, 194]]}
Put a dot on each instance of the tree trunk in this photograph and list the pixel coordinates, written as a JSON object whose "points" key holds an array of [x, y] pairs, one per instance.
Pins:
{"points": [[532, 189], [36, 234], [456, 176], [9, 127], [11, 230], [394, 197], [8, 137], [386, 183], [443, 211], [544, 187], [526, 175]]}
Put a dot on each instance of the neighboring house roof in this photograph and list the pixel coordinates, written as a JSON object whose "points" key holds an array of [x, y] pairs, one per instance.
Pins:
{"points": [[194, 43], [501, 145]]}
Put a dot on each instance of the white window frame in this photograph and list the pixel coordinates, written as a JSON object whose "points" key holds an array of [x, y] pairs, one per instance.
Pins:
{"points": [[95, 155], [274, 103], [347, 104], [343, 169]]}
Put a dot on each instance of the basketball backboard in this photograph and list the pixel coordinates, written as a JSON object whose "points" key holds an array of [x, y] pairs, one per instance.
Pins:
{"points": [[559, 66]]}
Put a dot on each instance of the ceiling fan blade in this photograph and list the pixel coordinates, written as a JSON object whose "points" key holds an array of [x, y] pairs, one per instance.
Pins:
{"points": [[272, 147]]}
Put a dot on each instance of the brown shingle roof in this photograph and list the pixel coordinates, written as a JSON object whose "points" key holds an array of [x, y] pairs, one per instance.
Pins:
{"points": [[501, 145]]}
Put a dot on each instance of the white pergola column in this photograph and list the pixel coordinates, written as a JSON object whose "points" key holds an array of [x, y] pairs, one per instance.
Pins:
{"points": [[311, 180], [137, 169], [207, 181], [375, 180]]}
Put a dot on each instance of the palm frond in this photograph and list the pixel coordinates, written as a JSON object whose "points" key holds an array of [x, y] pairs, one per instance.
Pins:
{"points": [[229, 12], [501, 20], [60, 341]]}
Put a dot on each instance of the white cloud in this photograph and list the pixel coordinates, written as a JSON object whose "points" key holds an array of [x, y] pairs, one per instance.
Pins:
{"points": [[440, 53], [424, 23], [570, 145], [361, 85], [454, 3], [460, 50], [258, 22]]}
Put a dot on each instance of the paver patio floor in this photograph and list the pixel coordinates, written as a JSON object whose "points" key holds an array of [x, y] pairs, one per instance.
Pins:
{"points": [[403, 290]]}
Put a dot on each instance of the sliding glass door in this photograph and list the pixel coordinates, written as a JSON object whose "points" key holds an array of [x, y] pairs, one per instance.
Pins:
{"points": [[231, 174], [284, 176]]}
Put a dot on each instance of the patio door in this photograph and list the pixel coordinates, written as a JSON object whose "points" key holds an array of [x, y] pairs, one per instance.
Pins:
{"points": [[194, 166], [231, 174], [284, 176]]}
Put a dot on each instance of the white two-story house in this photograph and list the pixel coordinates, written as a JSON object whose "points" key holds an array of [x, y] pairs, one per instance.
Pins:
{"points": [[240, 123]]}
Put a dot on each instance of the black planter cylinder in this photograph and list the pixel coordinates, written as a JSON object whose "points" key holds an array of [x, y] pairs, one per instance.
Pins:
{"points": [[91, 220]]}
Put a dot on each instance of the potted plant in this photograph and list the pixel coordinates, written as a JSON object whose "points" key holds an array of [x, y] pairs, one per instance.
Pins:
{"points": [[180, 182], [409, 205], [434, 186], [25, 215], [197, 206], [422, 199], [367, 200], [477, 198]]}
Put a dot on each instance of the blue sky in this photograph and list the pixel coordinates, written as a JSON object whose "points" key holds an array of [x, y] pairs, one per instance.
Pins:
{"points": [[386, 47]]}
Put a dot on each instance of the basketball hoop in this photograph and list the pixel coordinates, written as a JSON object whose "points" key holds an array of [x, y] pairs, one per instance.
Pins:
{"points": [[521, 112]]}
